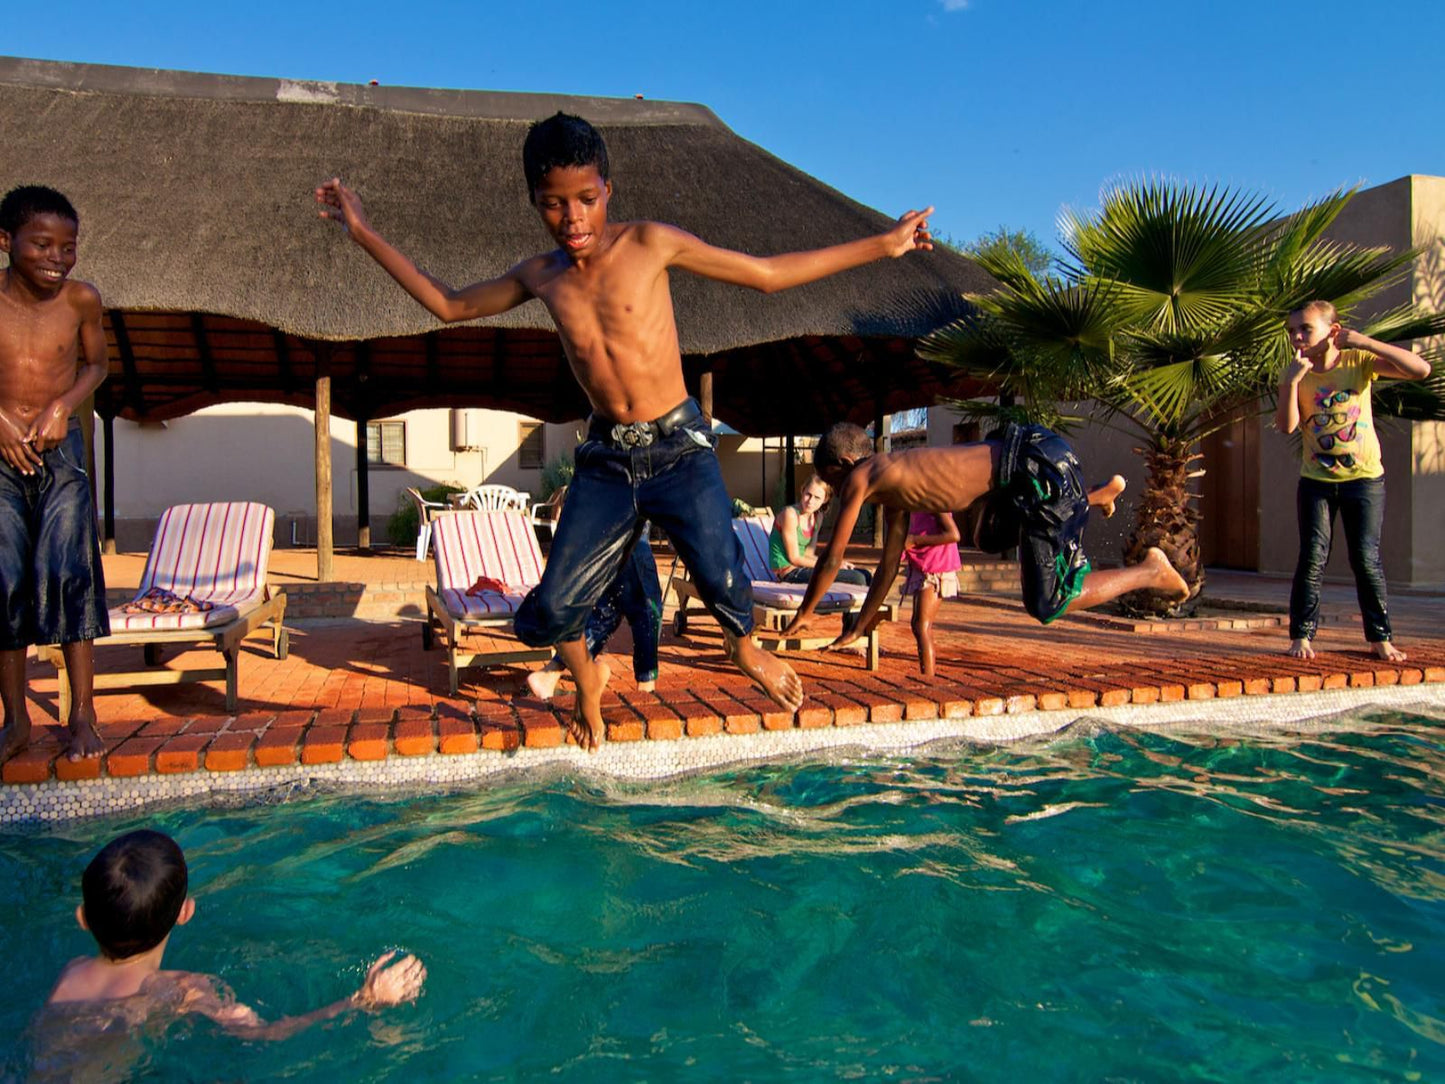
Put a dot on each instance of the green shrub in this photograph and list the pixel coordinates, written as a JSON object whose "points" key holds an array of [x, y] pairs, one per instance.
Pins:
{"points": [[556, 473], [402, 526]]}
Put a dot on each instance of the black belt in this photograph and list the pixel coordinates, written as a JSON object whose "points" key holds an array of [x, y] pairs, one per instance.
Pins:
{"points": [[641, 434]]}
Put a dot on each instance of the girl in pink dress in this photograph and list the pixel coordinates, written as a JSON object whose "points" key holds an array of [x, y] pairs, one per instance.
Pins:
{"points": [[931, 552]]}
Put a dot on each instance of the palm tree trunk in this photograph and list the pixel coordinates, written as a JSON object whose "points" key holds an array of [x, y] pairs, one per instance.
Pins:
{"points": [[1167, 518]]}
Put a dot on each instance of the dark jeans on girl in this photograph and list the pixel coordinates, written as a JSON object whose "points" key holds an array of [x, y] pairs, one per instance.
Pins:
{"points": [[1361, 507]]}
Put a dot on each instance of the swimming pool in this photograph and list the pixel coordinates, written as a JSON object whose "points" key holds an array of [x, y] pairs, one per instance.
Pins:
{"points": [[1109, 904]]}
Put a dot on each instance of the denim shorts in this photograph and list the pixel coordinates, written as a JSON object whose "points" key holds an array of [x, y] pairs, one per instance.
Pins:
{"points": [[50, 573], [673, 482]]}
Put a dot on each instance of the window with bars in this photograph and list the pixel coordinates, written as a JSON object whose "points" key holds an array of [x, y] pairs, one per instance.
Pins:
{"points": [[386, 443], [531, 447]]}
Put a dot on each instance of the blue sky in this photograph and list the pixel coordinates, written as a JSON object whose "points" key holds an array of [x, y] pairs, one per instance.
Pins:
{"points": [[999, 112]]}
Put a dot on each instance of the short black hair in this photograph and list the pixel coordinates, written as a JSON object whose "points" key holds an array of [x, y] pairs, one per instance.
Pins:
{"points": [[843, 440], [133, 891], [561, 140], [27, 201]]}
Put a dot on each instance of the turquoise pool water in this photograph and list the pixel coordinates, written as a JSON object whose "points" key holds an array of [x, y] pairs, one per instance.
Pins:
{"points": [[1112, 905]]}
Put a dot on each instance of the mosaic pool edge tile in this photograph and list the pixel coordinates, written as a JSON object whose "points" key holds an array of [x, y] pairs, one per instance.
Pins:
{"points": [[57, 802]]}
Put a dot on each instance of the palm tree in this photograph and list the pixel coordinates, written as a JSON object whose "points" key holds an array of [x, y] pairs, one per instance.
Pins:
{"points": [[1166, 320]]}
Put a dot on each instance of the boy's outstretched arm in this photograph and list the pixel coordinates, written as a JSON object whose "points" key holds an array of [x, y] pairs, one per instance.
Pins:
{"points": [[772, 273], [851, 497], [1390, 360], [399, 982], [895, 534], [341, 205]]}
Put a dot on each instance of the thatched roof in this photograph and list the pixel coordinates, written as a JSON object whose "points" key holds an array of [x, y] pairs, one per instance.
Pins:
{"points": [[199, 227]]}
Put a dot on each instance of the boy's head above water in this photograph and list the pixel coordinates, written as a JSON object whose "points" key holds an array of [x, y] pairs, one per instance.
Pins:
{"points": [[565, 161], [133, 893], [842, 448]]}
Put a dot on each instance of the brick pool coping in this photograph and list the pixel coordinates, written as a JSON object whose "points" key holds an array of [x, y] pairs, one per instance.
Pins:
{"points": [[412, 750]]}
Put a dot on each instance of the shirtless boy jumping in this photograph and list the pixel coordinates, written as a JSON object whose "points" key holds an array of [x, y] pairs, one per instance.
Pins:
{"points": [[1036, 501], [648, 453], [52, 355]]}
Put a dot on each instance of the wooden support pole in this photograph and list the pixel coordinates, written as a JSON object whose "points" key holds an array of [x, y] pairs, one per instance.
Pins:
{"points": [[790, 481], [363, 489], [880, 444], [704, 395], [107, 436], [325, 540]]}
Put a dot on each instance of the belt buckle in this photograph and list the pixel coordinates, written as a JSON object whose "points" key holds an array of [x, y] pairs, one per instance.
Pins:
{"points": [[632, 434]]}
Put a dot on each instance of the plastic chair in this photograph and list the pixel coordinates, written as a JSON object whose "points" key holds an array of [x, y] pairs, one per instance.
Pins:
{"points": [[426, 514], [496, 498]]}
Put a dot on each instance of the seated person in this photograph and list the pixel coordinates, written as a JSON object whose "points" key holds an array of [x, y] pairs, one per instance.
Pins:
{"points": [[1036, 501], [133, 895], [790, 545]]}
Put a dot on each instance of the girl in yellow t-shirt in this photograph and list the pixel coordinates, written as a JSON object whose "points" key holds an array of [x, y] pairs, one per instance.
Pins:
{"points": [[1325, 393]]}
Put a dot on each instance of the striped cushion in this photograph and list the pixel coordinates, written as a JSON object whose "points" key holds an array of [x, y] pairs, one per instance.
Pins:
{"points": [[499, 544], [753, 532], [789, 596], [213, 553]]}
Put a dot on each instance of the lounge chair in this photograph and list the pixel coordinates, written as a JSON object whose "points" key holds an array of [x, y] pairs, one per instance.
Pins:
{"points": [[470, 548], [207, 564], [775, 604]]}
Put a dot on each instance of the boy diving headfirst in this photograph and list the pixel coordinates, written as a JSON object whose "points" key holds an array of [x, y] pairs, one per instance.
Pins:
{"points": [[648, 454]]}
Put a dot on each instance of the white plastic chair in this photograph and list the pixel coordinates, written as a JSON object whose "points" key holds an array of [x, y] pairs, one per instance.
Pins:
{"points": [[497, 498], [426, 514]]}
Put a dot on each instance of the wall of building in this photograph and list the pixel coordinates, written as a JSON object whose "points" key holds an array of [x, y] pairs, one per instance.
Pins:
{"points": [[265, 452]]}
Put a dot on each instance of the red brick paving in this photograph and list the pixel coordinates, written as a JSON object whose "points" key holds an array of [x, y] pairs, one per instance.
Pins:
{"points": [[368, 691]]}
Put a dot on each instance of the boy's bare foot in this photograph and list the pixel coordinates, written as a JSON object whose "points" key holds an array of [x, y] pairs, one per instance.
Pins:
{"points": [[1300, 649], [1166, 577], [1104, 496], [1388, 651], [770, 673], [84, 742], [586, 727], [647, 686], [543, 683], [13, 739]]}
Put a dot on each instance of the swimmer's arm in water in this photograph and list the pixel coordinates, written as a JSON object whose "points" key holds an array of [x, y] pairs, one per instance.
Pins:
{"points": [[386, 984]]}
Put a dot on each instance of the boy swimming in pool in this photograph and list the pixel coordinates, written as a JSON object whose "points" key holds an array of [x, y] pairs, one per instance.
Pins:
{"points": [[649, 454], [133, 894], [1035, 501]]}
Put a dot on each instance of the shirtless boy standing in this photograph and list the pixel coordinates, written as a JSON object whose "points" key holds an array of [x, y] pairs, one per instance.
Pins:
{"points": [[648, 453], [1036, 501], [52, 356]]}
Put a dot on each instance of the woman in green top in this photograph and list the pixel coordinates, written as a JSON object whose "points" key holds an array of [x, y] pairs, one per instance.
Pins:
{"points": [[790, 546]]}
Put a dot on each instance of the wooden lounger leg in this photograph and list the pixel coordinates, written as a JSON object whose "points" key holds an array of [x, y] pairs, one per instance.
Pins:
{"points": [[875, 652], [231, 675], [63, 682]]}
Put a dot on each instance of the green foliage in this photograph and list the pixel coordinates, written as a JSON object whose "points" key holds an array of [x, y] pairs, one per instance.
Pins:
{"points": [[403, 524], [1034, 254], [556, 473], [1168, 312]]}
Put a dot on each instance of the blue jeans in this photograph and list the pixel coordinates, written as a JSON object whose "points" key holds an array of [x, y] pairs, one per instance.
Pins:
{"points": [[675, 483], [1361, 507], [636, 598], [52, 587]]}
